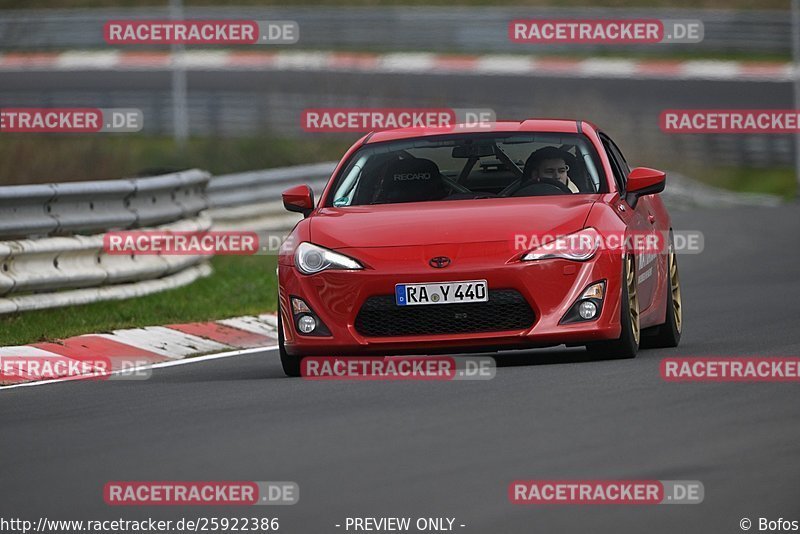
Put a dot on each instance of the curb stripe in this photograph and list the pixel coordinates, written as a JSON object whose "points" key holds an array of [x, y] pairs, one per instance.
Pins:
{"points": [[144, 59], [456, 63], [168, 343], [21, 59], [151, 346], [505, 64], [665, 68], [251, 324], [354, 61], [270, 318], [402, 62], [221, 333], [252, 59], [161, 365], [85, 59], [27, 351], [90, 347]]}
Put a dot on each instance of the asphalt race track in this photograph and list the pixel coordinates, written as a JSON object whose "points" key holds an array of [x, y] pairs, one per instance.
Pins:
{"points": [[450, 449]]}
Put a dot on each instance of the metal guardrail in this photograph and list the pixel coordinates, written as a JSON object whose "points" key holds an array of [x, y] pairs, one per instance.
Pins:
{"points": [[76, 297], [251, 200], [89, 207], [52, 254], [428, 28]]}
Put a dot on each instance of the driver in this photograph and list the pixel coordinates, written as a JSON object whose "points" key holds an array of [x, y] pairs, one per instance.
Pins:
{"points": [[548, 163]]}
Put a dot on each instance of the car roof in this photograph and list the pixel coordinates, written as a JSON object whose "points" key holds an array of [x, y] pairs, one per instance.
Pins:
{"points": [[527, 125]]}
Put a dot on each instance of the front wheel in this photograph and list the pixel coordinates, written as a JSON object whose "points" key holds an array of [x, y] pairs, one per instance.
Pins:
{"points": [[628, 343], [291, 364]]}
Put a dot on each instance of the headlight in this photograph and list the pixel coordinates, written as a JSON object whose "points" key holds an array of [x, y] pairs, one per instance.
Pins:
{"points": [[311, 259], [579, 246]]}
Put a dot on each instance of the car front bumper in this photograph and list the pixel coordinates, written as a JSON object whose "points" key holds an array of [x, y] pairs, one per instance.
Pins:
{"points": [[550, 287]]}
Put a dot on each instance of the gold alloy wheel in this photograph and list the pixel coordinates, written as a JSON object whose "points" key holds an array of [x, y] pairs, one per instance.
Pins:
{"points": [[675, 285], [633, 297]]}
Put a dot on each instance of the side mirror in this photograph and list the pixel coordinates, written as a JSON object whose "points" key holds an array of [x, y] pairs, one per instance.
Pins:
{"points": [[644, 181], [299, 199]]}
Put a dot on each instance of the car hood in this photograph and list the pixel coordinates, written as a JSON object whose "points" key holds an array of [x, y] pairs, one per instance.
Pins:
{"points": [[445, 222]]}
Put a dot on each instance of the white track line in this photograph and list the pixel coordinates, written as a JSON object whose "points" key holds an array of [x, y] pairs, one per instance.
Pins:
{"points": [[160, 365]]}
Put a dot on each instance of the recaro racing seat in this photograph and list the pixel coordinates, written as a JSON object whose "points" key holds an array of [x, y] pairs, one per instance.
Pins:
{"points": [[410, 180]]}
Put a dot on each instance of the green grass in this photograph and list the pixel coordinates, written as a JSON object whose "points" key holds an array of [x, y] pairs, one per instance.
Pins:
{"points": [[240, 285], [773, 181], [29, 159]]}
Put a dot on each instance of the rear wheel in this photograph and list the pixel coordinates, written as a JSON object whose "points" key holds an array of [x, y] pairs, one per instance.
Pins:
{"points": [[291, 364], [628, 343], [669, 333]]}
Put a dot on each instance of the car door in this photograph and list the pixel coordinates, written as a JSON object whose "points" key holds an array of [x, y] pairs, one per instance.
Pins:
{"points": [[641, 222]]}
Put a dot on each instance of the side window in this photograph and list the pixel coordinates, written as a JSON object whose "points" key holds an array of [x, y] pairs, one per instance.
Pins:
{"points": [[620, 176]]}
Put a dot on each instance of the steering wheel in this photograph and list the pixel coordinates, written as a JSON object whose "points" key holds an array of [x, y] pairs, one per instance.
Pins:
{"points": [[545, 186]]}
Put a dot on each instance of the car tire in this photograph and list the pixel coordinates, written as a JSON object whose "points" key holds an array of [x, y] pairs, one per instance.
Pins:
{"points": [[291, 364], [668, 334], [627, 345]]}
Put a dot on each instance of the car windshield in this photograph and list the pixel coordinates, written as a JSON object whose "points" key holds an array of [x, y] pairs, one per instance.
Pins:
{"points": [[469, 167]]}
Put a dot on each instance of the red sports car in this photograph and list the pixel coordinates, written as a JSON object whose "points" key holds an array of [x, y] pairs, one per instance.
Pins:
{"points": [[503, 236]]}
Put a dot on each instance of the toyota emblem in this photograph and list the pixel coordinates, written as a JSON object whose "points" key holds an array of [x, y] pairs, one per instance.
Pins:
{"points": [[439, 262]]}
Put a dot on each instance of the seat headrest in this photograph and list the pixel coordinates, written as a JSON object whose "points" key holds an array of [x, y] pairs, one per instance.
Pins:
{"points": [[412, 180]]}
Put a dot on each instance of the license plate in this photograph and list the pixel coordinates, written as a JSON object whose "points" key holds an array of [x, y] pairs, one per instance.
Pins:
{"points": [[441, 293]]}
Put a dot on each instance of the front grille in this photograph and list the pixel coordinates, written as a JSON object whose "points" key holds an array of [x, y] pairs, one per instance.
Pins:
{"points": [[506, 309]]}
